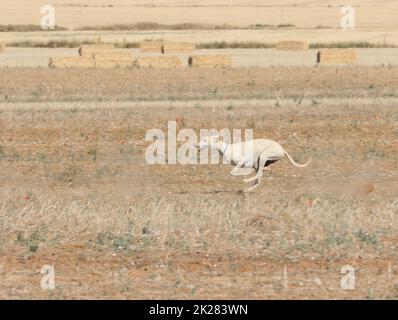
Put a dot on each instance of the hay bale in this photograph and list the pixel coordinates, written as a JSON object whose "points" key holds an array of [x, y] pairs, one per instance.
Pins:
{"points": [[88, 50], [159, 62], [292, 45], [337, 56], [2, 46], [71, 62], [178, 47], [210, 61], [151, 46]]}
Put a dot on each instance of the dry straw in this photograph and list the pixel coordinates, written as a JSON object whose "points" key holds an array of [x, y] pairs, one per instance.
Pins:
{"points": [[159, 62], [210, 61], [337, 56], [292, 46], [2, 46]]}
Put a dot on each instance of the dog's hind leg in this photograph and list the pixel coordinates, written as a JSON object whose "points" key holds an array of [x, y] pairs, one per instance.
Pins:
{"points": [[255, 177], [263, 160]]}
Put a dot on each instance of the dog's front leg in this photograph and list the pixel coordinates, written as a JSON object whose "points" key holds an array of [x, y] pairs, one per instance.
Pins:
{"points": [[255, 177], [238, 166]]}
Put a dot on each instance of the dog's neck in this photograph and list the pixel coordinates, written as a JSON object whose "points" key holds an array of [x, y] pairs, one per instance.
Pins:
{"points": [[222, 147]]}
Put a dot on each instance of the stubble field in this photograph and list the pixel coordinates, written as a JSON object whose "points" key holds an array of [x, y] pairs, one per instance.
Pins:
{"points": [[77, 193]]}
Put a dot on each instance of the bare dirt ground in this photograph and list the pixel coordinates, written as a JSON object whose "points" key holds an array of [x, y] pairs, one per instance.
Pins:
{"points": [[39, 57], [76, 192]]}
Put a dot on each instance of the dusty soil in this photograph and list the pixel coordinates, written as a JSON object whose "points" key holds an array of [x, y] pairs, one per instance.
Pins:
{"points": [[78, 194], [20, 84]]}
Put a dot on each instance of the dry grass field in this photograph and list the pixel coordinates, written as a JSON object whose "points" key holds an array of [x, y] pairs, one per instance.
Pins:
{"points": [[253, 20], [302, 13], [76, 192]]}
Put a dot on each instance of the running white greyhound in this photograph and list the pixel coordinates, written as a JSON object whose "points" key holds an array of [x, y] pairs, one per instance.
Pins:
{"points": [[251, 154]]}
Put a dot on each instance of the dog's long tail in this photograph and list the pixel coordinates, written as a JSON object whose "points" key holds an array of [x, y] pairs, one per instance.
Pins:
{"points": [[295, 163]]}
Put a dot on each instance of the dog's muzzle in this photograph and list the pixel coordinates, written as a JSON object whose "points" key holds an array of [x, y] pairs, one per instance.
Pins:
{"points": [[199, 148]]}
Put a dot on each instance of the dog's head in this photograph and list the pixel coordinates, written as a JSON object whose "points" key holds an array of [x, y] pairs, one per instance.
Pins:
{"points": [[208, 142]]}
